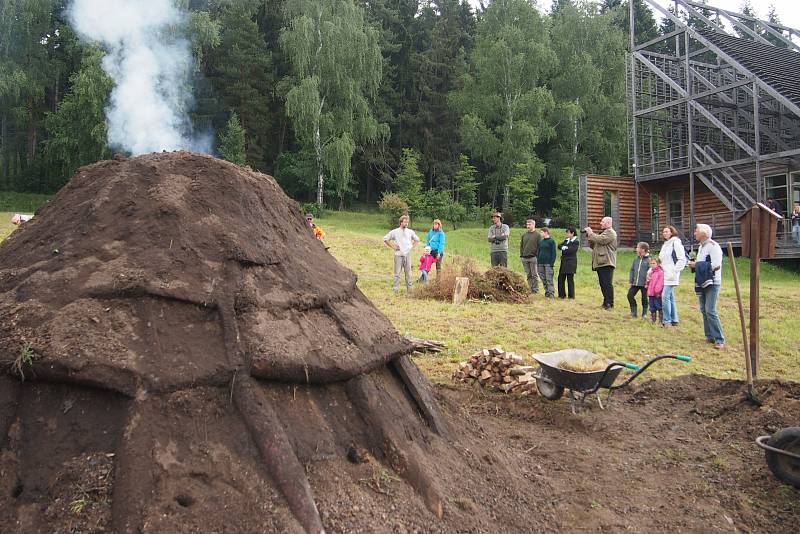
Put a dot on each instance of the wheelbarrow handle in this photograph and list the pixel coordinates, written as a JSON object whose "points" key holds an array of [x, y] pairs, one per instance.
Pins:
{"points": [[647, 364]]}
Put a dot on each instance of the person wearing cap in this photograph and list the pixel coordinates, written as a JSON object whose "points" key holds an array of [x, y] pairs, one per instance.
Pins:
{"points": [[319, 233], [709, 259], [402, 239], [498, 239]]}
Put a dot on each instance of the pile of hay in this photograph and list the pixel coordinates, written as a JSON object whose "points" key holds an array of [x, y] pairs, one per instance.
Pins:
{"points": [[498, 283], [587, 364]]}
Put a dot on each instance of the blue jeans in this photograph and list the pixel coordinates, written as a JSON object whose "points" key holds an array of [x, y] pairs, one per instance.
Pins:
{"points": [[708, 307], [669, 304], [796, 233]]}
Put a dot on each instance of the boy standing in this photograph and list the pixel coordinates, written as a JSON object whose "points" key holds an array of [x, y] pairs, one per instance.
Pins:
{"points": [[637, 279], [547, 258]]}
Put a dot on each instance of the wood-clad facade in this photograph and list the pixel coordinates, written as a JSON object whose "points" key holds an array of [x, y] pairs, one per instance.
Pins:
{"points": [[661, 203], [612, 196]]}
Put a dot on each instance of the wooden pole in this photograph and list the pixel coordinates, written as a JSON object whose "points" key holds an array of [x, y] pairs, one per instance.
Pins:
{"points": [[755, 272], [748, 364]]}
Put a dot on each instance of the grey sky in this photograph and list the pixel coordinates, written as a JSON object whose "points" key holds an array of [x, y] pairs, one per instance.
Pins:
{"points": [[788, 10]]}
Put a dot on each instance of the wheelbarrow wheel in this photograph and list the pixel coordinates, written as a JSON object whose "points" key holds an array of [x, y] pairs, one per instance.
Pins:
{"points": [[549, 390], [786, 468]]}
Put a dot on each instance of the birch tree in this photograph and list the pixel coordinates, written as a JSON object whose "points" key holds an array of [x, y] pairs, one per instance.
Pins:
{"points": [[336, 70], [505, 103]]}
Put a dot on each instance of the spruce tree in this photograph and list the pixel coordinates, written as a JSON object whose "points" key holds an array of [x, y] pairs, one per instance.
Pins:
{"points": [[232, 141]]}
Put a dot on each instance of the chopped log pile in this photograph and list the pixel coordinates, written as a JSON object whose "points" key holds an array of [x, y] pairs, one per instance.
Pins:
{"points": [[497, 369]]}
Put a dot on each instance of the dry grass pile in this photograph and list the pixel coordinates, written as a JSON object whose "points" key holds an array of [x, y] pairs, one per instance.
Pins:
{"points": [[498, 284], [503, 285], [586, 364]]}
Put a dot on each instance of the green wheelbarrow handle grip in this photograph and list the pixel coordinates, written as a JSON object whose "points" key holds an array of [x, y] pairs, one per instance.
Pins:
{"points": [[631, 366], [684, 358]]}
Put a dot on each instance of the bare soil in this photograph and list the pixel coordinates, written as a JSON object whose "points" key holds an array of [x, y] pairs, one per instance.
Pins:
{"points": [[195, 361], [664, 456]]}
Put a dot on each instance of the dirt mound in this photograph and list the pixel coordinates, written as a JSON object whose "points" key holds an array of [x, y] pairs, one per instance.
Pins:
{"points": [[174, 312]]}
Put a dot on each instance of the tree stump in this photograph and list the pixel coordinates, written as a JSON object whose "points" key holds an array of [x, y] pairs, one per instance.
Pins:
{"points": [[461, 290]]}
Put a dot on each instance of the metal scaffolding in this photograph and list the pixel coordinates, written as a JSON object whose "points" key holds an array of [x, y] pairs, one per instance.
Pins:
{"points": [[716, 99]]}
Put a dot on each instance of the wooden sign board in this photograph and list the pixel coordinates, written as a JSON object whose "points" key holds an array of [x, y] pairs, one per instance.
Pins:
{"points": [[763, 220]]}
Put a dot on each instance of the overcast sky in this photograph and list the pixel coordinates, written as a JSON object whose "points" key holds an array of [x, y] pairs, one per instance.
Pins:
{"points": [[788, 10]]}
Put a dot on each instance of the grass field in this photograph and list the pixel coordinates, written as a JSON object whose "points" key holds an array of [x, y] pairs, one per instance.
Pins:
{"points": [[546, 325]]}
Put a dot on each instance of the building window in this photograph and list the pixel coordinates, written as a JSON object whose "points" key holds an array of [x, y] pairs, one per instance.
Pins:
{"points": [[608, 202], [675, 209]]}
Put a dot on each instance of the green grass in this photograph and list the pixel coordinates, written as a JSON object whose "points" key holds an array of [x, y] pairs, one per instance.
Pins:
{"points": [[546, 325], [21, 202], [11, 203]]}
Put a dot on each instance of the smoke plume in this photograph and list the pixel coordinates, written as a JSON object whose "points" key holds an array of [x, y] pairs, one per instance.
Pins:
{"points": [[149, 59]]}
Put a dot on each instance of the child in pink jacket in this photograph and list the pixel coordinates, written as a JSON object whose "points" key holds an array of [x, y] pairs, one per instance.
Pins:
{"points": [[425, 263], [655, 286]]}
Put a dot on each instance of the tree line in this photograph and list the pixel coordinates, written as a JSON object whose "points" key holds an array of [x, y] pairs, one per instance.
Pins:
{"points": [[447, 108]]}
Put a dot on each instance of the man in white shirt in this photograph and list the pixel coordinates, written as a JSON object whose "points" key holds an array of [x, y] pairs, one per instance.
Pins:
{"points": [[402, 240]]}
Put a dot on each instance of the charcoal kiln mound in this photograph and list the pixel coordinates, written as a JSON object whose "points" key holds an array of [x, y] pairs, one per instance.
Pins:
{"points": [[179, 353]]}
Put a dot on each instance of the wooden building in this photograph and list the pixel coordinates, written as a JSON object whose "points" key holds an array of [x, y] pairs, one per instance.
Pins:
{"points": [[714, 127]]}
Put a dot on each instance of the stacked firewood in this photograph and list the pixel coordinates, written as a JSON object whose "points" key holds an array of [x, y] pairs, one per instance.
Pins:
{"points": [[498, 369]]}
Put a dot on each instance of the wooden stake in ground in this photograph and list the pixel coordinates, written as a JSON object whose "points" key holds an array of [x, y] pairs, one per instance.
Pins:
{"points": [[461, 290], [755, 272], [748, 364]]}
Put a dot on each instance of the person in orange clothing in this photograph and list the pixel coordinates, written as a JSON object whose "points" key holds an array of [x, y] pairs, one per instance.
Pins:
{"points": [[319, 233]]}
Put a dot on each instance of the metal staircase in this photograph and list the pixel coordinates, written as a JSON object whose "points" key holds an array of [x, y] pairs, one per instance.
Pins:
{"points": [[731, 187]]}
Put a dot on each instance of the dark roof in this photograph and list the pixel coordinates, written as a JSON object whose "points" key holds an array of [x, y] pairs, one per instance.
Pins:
{"points": [[777, 67]]}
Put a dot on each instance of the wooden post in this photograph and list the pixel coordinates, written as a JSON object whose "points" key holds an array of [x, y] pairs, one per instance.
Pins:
{"points": [[461, 290], [755, 272]]}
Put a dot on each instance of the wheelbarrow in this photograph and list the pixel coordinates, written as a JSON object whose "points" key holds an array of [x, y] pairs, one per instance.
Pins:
{"points": [[552, 380], [782, 450]]}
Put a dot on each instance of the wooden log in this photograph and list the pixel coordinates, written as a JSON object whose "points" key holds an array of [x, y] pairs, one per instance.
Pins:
{"points": [[422, 392], [461, 290]]}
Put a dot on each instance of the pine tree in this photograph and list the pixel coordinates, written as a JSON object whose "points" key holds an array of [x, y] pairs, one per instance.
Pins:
{"points": [[232, 141], [242, 75], [77, 129]]}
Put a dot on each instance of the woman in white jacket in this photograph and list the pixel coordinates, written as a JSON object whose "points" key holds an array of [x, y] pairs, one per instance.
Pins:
{"points": [[673, 260]]}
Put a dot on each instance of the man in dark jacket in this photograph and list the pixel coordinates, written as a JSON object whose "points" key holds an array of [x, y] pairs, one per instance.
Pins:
{"points": [[547, 258], [528, 251], [569, 264]]}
